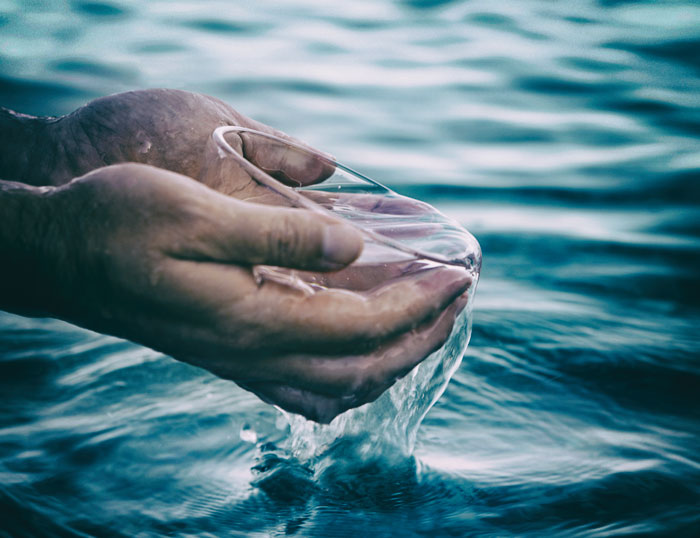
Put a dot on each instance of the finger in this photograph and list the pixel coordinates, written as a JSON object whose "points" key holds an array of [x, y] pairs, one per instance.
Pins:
{"points": [[349, 320], [239, 232], [287, 162], [335, 399], [441, 332], [223, 172], [362, 378], [236, 315], [329, 160], [316, 407], [324, 407]]}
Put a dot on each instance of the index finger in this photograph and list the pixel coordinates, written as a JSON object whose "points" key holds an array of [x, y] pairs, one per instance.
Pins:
{"points": [[283, 157], [271, 318], [321, 388]]}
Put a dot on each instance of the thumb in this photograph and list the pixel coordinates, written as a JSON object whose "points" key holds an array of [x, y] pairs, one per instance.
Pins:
{"points": [[254, 234]]}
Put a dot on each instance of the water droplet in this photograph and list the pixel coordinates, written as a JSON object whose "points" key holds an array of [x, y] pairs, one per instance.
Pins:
{"points": [[248, 434]]}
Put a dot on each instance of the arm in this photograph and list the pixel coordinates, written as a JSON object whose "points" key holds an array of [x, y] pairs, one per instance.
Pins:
{"points": [[28, 147], [24, 229]]}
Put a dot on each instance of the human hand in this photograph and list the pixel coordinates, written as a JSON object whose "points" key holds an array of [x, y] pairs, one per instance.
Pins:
{"points": [[169, 129], [172, 130], [157, 258]]}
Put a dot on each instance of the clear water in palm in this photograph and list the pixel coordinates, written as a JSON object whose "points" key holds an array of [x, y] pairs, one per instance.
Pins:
{"points": [[563, 135]]}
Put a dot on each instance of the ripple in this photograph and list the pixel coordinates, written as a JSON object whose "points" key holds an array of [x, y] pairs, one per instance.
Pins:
{"points": [[681, 51], [36, 96], [225, 27], [100, 9], [158, 47], [92, 68], [558, 86]]}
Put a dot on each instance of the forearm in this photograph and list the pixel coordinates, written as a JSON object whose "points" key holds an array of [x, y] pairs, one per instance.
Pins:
{"points": [[29, 148], [24, 235]]}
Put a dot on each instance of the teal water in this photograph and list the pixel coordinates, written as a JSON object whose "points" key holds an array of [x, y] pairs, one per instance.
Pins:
{"points": [[563, 135]]}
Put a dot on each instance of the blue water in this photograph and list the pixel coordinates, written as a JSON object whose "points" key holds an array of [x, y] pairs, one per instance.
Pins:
{"points": [[564, 135]]}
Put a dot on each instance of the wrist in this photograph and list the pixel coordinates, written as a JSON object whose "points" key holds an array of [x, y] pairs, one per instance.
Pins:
{"points": [[28, 267], [28, 148]]}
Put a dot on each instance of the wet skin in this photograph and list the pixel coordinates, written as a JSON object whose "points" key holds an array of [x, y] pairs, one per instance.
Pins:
{"points": [[119, 218]]}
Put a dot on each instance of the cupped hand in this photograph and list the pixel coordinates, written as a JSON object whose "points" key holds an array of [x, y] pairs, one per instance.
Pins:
{"points": [[169, 261], [169, 129], [155, 257]]}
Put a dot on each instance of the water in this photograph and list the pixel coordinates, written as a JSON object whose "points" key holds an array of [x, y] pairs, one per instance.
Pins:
{"points": [[563, 135]]}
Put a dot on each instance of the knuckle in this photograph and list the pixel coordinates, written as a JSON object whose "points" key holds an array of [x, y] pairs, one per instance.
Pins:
{"points": [[375, 326], [363, 383], [290, 239], [283, 241]]}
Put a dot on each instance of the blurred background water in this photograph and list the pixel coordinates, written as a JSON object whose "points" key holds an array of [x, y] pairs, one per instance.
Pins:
{"points": [[564, 135]]}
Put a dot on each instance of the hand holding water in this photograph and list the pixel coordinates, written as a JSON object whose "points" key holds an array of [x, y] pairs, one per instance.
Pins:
{"points": [[169, 129], [153, 256]]}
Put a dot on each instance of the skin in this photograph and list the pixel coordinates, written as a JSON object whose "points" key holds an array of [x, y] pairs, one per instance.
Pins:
{"points": [[155, 240]]}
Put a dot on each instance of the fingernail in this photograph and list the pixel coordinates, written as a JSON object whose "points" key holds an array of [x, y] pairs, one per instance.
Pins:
{"points": [[450, 281], [341, 244], [461, 302]]}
